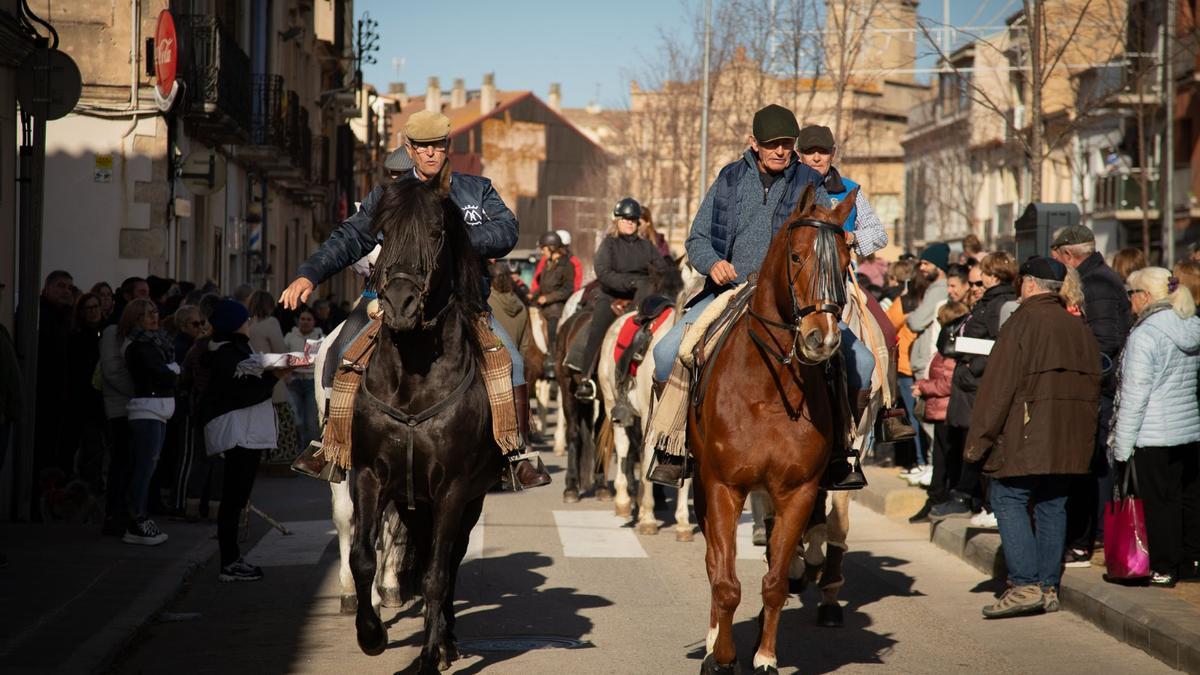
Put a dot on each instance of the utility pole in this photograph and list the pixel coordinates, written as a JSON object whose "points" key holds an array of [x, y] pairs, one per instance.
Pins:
{"points": [[704, 103], [1167, 173], [1033, 16]]}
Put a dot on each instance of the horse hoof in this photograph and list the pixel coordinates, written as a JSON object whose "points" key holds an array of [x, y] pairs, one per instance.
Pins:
{"points": [[685, 535], [560, 452], [372, 641], [570, 496], [603, 494], [647, 528], [391, 597], [797, 586], [624, 510], [830, 616], [710, 667], [766, 670], [349, 604]]}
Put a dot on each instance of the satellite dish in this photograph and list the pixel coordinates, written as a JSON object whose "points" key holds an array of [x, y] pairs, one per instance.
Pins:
{"points": [[203, 172], [48, 83]]}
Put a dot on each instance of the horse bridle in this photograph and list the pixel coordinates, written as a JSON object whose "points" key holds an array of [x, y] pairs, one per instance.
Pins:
{"points": [[820, 305], [422, 284]]}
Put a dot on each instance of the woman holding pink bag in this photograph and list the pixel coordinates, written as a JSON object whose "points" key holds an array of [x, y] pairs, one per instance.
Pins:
{"points": [[1157, 420]]}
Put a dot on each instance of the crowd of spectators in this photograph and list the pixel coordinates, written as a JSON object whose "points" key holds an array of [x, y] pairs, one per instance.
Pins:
{"points": [[1034, 384], [140, 373]]}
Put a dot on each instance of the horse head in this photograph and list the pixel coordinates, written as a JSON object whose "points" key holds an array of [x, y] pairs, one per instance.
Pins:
{"points": [[426, 263], [806, 269]]}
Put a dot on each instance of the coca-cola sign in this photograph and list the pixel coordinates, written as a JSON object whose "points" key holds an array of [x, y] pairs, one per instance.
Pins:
{"points": [[166, 53]]}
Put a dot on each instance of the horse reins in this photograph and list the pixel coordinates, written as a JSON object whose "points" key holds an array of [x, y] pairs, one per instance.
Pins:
{"points": [[799, 313], [412, 420]]}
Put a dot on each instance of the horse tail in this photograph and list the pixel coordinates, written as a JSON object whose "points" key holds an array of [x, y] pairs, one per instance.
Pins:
{"points": [[605, 445]]}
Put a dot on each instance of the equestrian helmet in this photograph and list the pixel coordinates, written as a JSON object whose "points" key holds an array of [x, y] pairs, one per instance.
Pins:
{"points": [[565, 236], [550, 240], [628, 208]]}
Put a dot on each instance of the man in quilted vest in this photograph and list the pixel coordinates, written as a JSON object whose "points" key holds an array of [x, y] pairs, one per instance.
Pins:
{"points": [[743, 209]]}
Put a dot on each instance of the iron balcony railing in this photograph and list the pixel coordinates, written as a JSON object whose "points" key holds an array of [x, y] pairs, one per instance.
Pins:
{"points": [[216, 73], [1123, 191], [268, 125]]}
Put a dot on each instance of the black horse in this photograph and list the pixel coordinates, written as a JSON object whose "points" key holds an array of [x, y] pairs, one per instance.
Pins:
{"points": [[422, 426]]}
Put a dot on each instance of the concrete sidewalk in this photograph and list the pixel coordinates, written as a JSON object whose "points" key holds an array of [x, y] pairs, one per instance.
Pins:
{"points": [[72, 598], [1165, 623]]}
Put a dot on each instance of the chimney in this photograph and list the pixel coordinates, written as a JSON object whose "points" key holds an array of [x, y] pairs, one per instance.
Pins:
{"points": [[397, 88], [555, 98], [433, 95], [458, 95], [487, 94]]}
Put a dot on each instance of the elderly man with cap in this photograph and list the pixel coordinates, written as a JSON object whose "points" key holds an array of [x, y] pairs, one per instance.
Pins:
{"points": [[817, 148], [1108, 313], [752, 197], [1033, 426], [491, 227]]}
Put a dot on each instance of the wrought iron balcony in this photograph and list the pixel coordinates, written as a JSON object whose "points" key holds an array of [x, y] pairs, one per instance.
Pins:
{"points": [[216, 74], [268, 129], [1123, 191]]}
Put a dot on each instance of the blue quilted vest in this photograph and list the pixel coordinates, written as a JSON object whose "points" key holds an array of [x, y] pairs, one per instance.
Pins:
{"points": [[727, 201], [837, 197]]}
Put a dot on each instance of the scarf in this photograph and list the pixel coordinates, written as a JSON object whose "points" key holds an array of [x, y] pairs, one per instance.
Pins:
{"points": [[158, 339], [833, 182]]}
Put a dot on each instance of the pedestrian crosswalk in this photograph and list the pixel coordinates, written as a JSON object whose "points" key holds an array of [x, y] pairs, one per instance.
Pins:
{"points": [[581, 534]]}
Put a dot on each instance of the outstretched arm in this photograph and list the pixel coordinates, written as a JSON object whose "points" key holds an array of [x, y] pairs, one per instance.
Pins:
{"points": [[349, 242]]}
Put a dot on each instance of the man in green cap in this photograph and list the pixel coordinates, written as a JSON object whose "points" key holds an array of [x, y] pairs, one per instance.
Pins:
{"points": [[493, 231], [752, 197]]}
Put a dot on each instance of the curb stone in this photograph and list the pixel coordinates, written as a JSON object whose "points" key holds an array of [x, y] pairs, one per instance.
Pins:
{"points": [[1159, 624]]}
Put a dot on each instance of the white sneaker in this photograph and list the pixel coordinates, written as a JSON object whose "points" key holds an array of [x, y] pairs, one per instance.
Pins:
{"points": [[984, 520], [913, 470], [924, 471], [925, 478]]}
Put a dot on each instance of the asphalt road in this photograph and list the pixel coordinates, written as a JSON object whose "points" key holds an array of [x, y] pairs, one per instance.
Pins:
{"points": [[575, 576]]}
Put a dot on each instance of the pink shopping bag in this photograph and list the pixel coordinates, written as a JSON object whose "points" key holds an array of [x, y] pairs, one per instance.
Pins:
{"points": [[1126, 554]]}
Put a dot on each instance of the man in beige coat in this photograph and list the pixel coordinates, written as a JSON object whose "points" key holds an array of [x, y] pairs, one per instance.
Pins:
{"points": [[1034, 424]]}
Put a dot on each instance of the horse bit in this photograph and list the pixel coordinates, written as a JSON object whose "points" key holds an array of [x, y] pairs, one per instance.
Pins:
{"points": [[836, 289]]}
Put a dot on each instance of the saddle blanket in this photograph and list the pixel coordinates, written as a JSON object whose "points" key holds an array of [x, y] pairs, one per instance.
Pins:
{"points": [[629, 329]]}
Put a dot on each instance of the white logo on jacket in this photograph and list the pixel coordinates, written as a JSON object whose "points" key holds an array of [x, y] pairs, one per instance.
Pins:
{"points": [[472, 214]]}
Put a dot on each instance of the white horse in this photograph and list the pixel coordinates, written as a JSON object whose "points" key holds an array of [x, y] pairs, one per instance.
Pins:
{"points": [[386, 591], [560, 419], [542, 386]]}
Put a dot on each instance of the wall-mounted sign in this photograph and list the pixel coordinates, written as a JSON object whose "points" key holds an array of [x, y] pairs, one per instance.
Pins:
{"points": [[203, 172], [103, 169], [166, 61]]}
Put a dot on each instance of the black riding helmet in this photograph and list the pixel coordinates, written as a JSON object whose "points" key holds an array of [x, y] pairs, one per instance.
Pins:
{"points": [[550, 240], [628, 208]]}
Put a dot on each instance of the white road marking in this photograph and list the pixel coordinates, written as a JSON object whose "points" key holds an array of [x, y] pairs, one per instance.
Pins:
{"points": [[475, 545], [596, 534], [304, 546]]}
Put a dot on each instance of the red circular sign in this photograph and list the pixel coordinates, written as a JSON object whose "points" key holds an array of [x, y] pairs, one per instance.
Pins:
{"points": [[166, 53]]}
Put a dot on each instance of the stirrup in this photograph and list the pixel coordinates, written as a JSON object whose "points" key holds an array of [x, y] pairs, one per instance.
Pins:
{"points": [[586, 398], [307, 463], [669, 474]]}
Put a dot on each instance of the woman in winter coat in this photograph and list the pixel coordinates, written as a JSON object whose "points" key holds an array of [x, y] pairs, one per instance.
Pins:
{"points": [[999, 271], [1157, 420], [302, 385], [83, 355], [239, 422], [150, 358], [935, 391], [555, 285], [622, 265]]}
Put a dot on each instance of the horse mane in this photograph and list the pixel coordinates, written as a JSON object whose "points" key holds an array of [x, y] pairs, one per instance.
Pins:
{"points": [[406, 213], [825, 245]]}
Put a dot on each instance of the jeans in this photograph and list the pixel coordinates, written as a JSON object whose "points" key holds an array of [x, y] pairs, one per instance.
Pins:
{"points": [[518, 361], [145, 442], [303, 394], [241, 465], [904, 383], [860, 362], [1032, 558], [667, 349]]}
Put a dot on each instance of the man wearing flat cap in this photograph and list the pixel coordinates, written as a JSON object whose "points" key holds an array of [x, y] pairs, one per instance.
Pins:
{"points": [[752, 197], [1108, 313], [491, 227], [816, 149], [1034, 426]]}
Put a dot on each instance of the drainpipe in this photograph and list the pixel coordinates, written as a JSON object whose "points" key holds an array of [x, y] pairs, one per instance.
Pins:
{"points": [[135, 34]]}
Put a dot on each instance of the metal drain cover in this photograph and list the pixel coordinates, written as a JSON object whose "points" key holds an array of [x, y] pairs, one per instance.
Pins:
{"points": [[520, 643]]}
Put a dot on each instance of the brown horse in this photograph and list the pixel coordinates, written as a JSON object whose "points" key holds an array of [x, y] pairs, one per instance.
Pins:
{"points": [[765, 419]]}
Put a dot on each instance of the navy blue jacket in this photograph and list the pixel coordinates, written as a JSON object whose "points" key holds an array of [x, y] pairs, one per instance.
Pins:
{"points": [[491, 227]]}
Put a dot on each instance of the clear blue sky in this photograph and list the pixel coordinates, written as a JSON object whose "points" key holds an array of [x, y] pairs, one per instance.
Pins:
{"points": [[589, 47]]}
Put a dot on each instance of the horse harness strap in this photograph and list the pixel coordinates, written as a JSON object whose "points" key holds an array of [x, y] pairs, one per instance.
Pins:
{"points": [[410, 420]]}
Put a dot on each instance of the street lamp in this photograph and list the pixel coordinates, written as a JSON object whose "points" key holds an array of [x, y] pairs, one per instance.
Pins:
{"points": [[366, 44]]}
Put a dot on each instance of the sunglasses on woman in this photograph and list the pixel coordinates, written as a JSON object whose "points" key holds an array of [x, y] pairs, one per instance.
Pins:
{"points": [[976, 284]]}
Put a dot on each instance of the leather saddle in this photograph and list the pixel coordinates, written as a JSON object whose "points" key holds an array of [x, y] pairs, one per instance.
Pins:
{"points": [[651, 308]]}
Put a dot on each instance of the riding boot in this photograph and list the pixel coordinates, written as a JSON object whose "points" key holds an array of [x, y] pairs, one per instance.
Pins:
{"points": [[525, 473], [309, 464], [668, 470], [843, 471]]}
